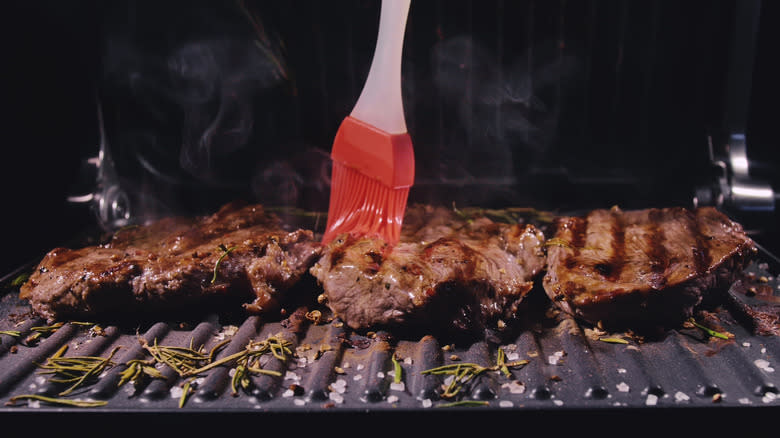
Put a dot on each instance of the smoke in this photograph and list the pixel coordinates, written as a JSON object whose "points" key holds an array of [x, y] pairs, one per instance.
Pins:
{"points": [[188, 87], [502, 113]]}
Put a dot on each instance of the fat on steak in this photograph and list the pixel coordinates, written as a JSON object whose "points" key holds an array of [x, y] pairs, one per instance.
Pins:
{"points": [[241, 253], [643, 268], [446, 272]]}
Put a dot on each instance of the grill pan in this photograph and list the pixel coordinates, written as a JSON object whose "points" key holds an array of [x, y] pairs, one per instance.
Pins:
{"points": [[337, 371]]}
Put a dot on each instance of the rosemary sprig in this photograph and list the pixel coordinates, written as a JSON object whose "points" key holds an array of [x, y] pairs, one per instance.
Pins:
{"points": [[58, 401], [710, 331], [182, 360], [397, 369], [463, 373], [225, 252], [247, 361], [75, 370]]}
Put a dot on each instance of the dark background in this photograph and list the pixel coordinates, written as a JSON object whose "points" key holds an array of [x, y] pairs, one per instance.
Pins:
{"points": [[552, 104]]}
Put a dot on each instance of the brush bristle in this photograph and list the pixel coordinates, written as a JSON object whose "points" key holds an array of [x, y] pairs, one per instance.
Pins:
{"points": [[362, 205]]}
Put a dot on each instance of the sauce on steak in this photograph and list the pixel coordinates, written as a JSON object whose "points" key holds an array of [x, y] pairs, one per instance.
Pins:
{"points": [[446, 272], [240, 252]]}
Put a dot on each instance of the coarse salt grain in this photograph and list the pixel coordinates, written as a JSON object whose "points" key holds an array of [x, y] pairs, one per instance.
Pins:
{"points": [[427, 403], [360, 366], [623, 387], [288, 393], [289, 375], [176, 391], [769, 397], [554, 358], [746, 344], [357, 377], [299, 402], [505, 404], [621, 370], [558, 402], [744, 401], [397, 386], [336, 397], [652, 400], [514, 387], [680, 396], [380, 375], [408, 360], [512, 357], [763, 365], [392, 399]]}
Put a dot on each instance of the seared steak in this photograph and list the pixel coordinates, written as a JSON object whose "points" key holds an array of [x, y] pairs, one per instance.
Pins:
{"points": [[643, 268], [446, 272], [241, 252]]}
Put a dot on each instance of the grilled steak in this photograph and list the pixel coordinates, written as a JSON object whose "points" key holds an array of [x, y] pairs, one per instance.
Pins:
{"points": [[239, 253], [446, 272], [644, 268]]}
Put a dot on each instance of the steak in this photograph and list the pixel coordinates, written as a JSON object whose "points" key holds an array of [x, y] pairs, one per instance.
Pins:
{"points": [[240, 253], [447, 272], [643, 268]]}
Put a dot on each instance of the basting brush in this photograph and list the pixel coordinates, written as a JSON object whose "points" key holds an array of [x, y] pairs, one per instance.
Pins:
{"points": [[373, 158]]}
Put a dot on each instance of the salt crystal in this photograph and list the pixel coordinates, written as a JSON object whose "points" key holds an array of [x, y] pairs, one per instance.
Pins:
{"points": [[357, 377], [512, 357], [623, 387], [380, 375], [652, 400], [769, 397], [397, 386], [746, 344], [176, 391], [554, 358], [299, 402], [34, 404], [392, 399], [427, 403], [558, 402], [514, 387], [744, 401], [288, 393], [763, 350], [680, 396], [408, 360], [289, 375], [505, 404], [360, 366], [621, 370], [764, 365], [336, 397]]}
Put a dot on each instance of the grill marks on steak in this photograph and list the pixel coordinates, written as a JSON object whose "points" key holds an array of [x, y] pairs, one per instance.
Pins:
{"points": [[446, 272], [170, 265], [645, 267]]}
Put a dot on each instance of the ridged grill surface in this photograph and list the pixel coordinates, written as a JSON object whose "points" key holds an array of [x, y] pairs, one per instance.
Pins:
{"points": [[335, 369]]}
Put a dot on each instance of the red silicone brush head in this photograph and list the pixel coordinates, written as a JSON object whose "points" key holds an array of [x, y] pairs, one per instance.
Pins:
{"points": [[372, 174]]}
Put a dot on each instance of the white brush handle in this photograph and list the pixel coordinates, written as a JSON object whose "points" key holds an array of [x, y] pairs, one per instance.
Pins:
{"points": [[380, 103]]}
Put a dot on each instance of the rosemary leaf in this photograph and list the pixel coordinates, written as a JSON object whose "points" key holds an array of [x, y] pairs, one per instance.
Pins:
{"points": [[58, 401], [709, 331], [464, 403], [613, 340], [397, 370], [186, 389], [225, 252], [13, 333]]}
